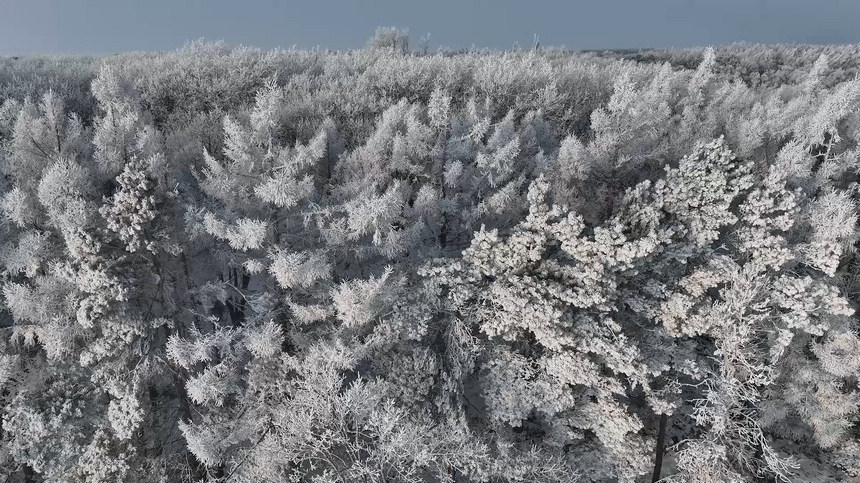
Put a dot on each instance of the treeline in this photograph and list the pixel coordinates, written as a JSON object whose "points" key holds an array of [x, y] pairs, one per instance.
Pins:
{"points": [[227, 264]]}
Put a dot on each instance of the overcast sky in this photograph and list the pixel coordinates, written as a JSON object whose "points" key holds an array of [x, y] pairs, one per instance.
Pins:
{"points": [[109, 26]]}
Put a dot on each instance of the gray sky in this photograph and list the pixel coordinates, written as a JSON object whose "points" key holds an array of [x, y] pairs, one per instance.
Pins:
{"points": [[109, 26]]}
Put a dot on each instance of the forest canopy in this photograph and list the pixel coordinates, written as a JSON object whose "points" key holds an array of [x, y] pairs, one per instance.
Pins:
{"points": [[225, 264]]}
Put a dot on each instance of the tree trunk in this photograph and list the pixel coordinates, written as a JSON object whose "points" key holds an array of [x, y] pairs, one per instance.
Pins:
{"points": [[29, 474], [661, 448]]}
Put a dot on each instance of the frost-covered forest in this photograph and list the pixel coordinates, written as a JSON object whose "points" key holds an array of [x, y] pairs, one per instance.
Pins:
{"points": [[224, 264]]}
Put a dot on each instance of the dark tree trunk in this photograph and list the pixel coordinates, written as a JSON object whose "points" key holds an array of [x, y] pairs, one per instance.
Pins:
{"points": [[29, 474], [661, 448]]}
